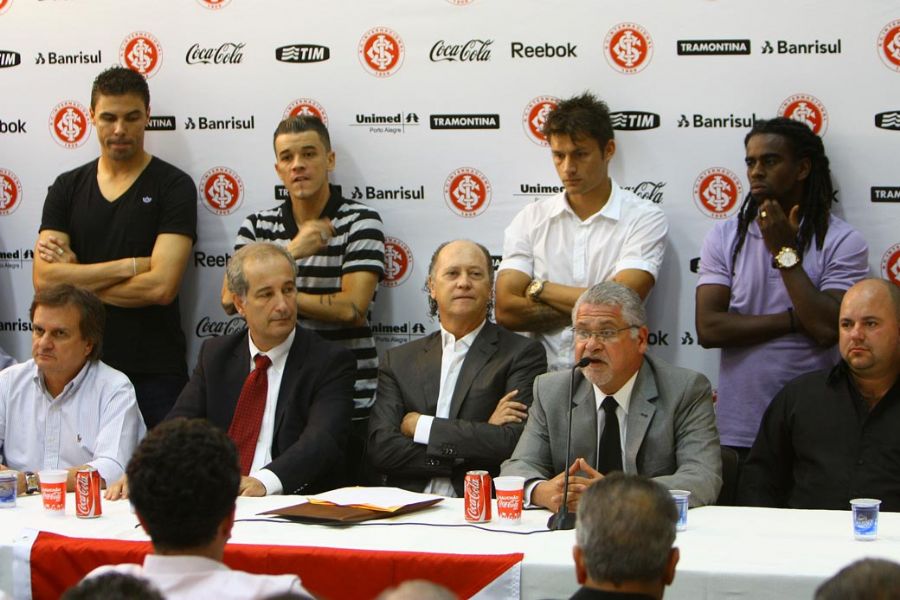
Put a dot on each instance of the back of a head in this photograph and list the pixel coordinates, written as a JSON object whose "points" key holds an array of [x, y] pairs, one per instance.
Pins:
{"points": [[113, 586], [625, 529], [417, 589], [867, 579], [183, 481]]}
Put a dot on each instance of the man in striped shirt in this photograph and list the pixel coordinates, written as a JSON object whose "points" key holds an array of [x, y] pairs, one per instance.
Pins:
{"points": [[339, 248]]}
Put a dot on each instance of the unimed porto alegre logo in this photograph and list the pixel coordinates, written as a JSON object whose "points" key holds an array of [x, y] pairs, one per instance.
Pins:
{"points": [[718, 192], [307, 107], [888, 45], [890, 264], [628, 48], [214, 4], [398, 262], [69, 124], [381, 51], [221, 190], [467, 192], [535, 115], [10, 192], [141, 52], [806, 109]]}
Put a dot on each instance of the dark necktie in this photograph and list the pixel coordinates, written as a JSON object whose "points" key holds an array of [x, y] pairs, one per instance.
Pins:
{"points": [[248, 414], [609, 452]]}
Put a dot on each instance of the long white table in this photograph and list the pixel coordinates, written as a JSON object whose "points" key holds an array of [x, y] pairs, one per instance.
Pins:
{"points": [[726, 552]]}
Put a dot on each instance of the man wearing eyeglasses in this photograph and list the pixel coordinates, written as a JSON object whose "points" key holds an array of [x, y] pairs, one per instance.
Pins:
{"points": [[630, 412]]}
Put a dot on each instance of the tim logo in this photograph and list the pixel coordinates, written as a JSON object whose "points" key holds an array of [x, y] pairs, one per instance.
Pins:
{"points": [[633, 120], [306, 107], [398, 262], [8, 58], [890, 264], [888, 45], [467, 192], [888, 120], [141, 52], [717, 192], [534, 117], [214, 4], [628, 48], [69, 124], [221, 190], [381, 51], [806, 109], [302, 53], [10, 192]]}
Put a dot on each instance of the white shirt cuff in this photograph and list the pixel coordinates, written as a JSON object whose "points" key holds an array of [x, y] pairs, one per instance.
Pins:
{"points": [[528, 491], [269, 480], [423, 429]]}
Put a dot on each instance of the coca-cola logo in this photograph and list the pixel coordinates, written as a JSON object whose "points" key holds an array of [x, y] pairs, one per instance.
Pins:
{"points": [[208, 328], [473, 496], [471, 51], [229, 53]]}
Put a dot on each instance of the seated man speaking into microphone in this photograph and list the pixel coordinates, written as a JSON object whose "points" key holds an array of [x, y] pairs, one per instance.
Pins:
{"points": [[631, 412]]}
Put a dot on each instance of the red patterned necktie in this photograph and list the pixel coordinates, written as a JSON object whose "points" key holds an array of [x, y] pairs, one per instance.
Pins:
{"points": [[247, 420]]}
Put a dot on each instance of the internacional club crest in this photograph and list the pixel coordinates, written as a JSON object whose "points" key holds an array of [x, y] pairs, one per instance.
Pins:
{"points": [[10, 192], [535, 115], [467, 192], [890, 264], [141, 52], [69, 124], [221, 190], [628, 48], [306, 107], [888, 45], [717, 192], [398, 262], [381, 51], [806, 109]]}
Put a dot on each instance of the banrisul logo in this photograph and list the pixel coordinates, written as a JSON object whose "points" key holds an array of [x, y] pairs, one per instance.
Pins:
{"points": [[302, 53], [633, 120]]}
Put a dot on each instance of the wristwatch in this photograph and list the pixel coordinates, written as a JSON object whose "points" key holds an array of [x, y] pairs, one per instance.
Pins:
{"points": [[32, 483], [535, 288], [787, 258]]}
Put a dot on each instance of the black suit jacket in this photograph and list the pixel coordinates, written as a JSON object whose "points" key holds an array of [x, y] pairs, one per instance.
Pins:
{"points": [[312, 416], [498, 362]]}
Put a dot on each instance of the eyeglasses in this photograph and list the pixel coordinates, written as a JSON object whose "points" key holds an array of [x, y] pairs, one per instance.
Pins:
{"points": [[604, 335]]}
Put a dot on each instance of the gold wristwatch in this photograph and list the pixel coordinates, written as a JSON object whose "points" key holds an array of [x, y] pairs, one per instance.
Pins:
{"points": [[787, 258], [535, 288]]}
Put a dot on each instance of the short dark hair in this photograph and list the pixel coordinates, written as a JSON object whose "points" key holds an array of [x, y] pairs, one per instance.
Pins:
{"points": [[183, 481], [581, 116], [90, 310], [866, 579], [116, 586], [301, 123], [118, 81], [432, 303], [626, 528]]}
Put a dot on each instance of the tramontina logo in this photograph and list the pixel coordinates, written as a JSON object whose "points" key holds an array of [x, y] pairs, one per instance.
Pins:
{"points": [[398, 262], [381, 51], [885, 194], [306, 107], [712, 47], [717, 192], [221, 190], [634, 120], [628, 48], [69, 124], [214, 4], [302, 53], [806, 109], [535, 115], [890, 264], [889, 45], [463, 121], [141, 52], [9, 58], [10, 192], [467, 192], [888, 120]]}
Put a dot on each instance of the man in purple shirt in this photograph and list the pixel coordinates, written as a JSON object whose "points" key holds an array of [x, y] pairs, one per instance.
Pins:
{"points": [[772, 279]]}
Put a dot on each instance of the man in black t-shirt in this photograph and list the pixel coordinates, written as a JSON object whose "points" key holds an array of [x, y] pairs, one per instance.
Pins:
{"points": [[122, 226]]}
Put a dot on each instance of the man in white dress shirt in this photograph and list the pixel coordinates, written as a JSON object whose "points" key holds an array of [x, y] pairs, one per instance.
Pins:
{"points": [[64, 408]]}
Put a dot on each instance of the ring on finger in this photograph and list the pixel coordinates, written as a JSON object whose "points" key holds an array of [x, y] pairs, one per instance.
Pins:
{"points": [[762, 214]]}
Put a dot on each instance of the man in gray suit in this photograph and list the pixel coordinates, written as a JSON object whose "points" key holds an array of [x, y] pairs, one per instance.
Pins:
{"points": [[631, 412], [454, 400]]}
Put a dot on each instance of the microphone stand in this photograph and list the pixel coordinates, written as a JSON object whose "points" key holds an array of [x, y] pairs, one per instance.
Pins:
{"points": [[563, 519]]}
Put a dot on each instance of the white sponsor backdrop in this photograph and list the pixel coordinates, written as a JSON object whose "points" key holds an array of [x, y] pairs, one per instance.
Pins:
{"points": [[849, 73]]}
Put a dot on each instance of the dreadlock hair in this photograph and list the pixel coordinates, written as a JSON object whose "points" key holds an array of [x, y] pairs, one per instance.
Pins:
{"points": [[815, 205]]}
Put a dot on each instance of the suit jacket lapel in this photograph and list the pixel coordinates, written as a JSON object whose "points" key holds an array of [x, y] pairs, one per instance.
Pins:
{"points": [[584, 423], [235, 376], [428, 369], [640, 414], [483, 348], [289, 378]]}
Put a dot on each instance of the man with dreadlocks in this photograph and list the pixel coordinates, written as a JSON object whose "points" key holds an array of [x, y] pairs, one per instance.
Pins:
{"points": [[771, 280]]}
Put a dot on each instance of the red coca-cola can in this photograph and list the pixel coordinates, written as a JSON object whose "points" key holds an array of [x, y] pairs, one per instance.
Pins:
{"points": [[478, 496], [87, 493]]}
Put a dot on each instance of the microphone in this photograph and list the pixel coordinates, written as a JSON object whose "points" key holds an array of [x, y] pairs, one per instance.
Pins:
{"points": [[563, 519]]}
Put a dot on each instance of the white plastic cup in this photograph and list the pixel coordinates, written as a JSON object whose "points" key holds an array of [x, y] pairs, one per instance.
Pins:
{"points": [[865, 518], [53, 489], [681, 498], [510, 494], [8, 484]]}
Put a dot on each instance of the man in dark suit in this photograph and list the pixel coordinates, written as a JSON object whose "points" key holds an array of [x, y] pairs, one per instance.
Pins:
{"points": [[456, 400], [300, 441]]}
